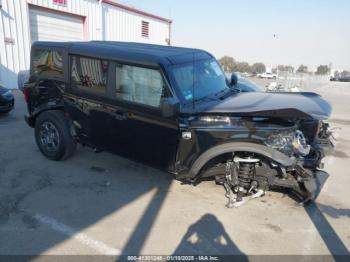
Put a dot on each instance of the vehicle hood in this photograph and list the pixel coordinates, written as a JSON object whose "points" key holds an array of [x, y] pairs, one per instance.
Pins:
{"points": [[304, 105]]}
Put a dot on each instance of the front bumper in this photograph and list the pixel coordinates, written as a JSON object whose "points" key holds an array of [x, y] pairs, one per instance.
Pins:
{"points": [[6, 105], [312, 186]]}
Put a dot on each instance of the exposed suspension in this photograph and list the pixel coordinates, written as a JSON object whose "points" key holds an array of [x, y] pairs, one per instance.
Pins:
{"points": [[240, 179]]}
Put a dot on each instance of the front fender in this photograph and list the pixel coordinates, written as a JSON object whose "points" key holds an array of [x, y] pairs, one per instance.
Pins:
{"points": [[215, 151]]}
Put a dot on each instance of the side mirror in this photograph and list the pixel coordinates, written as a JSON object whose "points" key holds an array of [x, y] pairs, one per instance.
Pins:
{"points": [[169, 106], [234, 79]]}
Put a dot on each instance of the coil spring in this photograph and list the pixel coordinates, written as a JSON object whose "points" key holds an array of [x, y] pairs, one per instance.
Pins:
{"points": [[246, 173]]}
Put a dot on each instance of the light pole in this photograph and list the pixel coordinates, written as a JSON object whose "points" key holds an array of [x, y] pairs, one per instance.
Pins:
{"points": [[275, 37]]}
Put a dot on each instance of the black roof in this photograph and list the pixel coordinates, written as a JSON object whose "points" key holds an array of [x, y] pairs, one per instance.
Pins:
{"points": [[130, 52]]}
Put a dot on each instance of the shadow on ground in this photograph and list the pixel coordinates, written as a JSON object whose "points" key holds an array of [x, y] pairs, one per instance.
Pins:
{"points": [[207, 236], [330, 237]]}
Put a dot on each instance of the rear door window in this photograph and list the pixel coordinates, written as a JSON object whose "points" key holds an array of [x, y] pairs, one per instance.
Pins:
{"points": [[89, 74], [47, 63]]}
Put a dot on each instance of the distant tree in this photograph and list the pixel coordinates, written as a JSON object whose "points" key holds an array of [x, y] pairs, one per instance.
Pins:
{"points": [[322, 70], [302, 69], [283, 68], [227, 63], [345, 73], [242, 67], [289, 68], [258, 68], [336, 73]]}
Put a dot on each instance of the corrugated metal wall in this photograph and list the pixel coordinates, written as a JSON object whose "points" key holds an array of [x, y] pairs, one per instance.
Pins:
{"points": [[119, 25], [125, 26], [14, 41]]}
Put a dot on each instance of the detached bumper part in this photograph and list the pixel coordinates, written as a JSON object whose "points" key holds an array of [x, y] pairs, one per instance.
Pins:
{"points": [[300, 181], [308, 186]]}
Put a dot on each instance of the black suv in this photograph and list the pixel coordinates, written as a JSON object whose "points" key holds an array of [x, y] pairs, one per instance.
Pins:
{"points": [[173, 108]]}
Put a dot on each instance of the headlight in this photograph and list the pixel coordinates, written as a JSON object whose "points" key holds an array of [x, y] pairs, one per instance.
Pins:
{"points": [[215, 119], [289, 143], [211, 120], [299, 143]]}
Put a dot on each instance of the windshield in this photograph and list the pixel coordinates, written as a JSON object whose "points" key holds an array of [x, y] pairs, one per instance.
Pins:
{"points": [[199, 79]]}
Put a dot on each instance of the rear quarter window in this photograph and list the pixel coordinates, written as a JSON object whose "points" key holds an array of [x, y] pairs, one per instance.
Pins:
{"points": [[47, 63]]}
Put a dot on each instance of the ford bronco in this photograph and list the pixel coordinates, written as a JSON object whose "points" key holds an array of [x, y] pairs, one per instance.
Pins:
{"points": [[174, 108]]}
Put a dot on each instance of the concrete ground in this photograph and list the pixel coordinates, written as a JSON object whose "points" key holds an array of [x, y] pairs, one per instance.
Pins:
{"points": [[104, 204]]}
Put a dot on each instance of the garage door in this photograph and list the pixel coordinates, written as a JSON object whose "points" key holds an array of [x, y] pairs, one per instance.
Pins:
{"points": [[54, 26]]}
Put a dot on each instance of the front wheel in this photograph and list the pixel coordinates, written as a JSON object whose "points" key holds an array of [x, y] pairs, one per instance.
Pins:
{"points": [[53, 137]]}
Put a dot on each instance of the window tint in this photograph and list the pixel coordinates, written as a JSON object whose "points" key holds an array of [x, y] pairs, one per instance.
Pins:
{"points": [[89, 74], [137, 84], [47, 63]]}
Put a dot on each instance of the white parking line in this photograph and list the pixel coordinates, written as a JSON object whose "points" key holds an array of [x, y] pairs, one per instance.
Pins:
{"points": [[82, 238]]}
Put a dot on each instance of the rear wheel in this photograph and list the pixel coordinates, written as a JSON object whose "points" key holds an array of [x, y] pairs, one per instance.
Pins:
{"points": [[53, 137]]}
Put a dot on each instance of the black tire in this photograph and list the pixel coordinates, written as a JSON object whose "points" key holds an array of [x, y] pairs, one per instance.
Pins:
{"points": [[53, 136]]}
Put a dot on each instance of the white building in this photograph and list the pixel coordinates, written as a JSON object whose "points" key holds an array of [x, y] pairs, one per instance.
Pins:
{"points": [[25, 21]]}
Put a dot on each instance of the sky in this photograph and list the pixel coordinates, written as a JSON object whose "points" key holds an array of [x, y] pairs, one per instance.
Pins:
{"points": [[310, 32]]}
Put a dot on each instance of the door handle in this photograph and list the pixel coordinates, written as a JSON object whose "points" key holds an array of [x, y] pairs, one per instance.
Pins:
{"points": [[119, 115]]}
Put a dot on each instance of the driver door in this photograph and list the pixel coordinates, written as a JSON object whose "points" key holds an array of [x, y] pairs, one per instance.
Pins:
{"points": [[137, 128]]}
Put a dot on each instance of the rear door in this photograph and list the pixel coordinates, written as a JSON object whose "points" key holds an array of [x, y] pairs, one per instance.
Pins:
{"points": [[137, 128], [85, 101]]}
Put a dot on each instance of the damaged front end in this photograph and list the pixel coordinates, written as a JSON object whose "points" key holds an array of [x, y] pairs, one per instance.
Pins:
{"points": [[252, 155], [248, 176]]}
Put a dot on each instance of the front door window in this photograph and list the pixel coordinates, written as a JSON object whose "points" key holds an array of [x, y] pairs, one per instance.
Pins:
{"points": [[139, 85]]}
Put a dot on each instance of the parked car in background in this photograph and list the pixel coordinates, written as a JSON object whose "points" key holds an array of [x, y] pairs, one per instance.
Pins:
{"points": [[340, 78], [175, 109], [246, 74], [7, 100], [267, 75]]}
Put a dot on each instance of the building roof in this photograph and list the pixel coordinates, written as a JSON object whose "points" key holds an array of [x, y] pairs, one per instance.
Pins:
{"points": [[147, 54], [138, 11]]}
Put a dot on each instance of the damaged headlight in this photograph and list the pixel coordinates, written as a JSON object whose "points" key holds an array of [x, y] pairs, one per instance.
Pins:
{"points": [[289, 143]]}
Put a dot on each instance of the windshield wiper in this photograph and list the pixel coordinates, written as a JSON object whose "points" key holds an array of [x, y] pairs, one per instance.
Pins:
{"points": [[220, 92], [204, 98], [227, 92]]}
